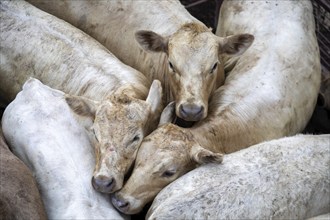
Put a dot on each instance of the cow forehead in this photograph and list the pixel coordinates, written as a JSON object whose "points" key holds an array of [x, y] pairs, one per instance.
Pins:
{"points": [[152, 155], [118, 113], [116, 124], [200, 50], [168, 137], [188, 41]]}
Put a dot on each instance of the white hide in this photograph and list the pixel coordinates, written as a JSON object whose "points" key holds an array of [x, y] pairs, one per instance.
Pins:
{"points": [[286, 178], [43, 132]]}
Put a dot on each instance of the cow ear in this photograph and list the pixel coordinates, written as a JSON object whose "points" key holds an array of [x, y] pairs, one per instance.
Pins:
{"points": [[150, 41], [155, 97], [202, 156], [235, 44], [82, 106], [168, 114]]}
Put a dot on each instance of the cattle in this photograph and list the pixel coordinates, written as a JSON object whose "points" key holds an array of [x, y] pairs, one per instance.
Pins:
{"points": [[160, 39], [287, 178], [113, 95], [46, 135], [19, 194], [270, 92]]}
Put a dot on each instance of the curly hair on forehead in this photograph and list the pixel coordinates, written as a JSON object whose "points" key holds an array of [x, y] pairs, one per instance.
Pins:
{"points": [[121, 99], [195, 28], [178, 133]]}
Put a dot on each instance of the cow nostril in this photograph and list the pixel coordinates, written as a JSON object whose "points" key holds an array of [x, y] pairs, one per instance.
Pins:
{"points": [[109, 182], [191, 110], [120, 203], [103, 183], [199, 109], [123, 204]]}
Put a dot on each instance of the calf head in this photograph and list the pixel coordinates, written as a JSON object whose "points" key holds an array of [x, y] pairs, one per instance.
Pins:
{"points": [[194, 64], [165, 155], [119, 125]]}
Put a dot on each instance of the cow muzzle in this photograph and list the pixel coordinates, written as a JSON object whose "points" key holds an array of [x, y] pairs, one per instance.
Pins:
{"points": [[120, 203], [126, 203], [191, 112]]}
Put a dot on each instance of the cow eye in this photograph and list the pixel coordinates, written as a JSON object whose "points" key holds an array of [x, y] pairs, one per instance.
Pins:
{"points": [[171, 66], [214, 67], [136, 138], [168, 173]]}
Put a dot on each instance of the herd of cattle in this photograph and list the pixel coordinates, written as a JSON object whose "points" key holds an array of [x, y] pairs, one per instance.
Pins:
{"points": [[98, 133]]}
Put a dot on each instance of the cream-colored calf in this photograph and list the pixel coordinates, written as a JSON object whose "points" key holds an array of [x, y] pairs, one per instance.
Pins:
{"points": [[270, 93], [115, 96], [185, 53]]}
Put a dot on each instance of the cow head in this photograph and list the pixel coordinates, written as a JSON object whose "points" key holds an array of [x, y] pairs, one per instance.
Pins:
{"points": [[194, 64], [120, 124], [165, 155]]}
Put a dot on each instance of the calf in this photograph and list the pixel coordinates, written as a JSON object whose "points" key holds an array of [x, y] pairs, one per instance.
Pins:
{"points": [[48, 138], [19, 194], [187, 59], [287, 178], [114, 96], [268, 94]]}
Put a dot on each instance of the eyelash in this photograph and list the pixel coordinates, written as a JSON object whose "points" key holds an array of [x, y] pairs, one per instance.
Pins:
{"points": [[171, 66], [214, 67], [168, 173], [136, 138]]}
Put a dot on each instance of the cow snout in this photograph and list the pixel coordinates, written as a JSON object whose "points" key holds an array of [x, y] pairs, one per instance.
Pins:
{"points": [[191, 112], [103, 184], [120, 203]]}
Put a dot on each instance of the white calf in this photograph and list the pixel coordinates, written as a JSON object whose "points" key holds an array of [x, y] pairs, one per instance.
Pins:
{"points": [[43, 132]]}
